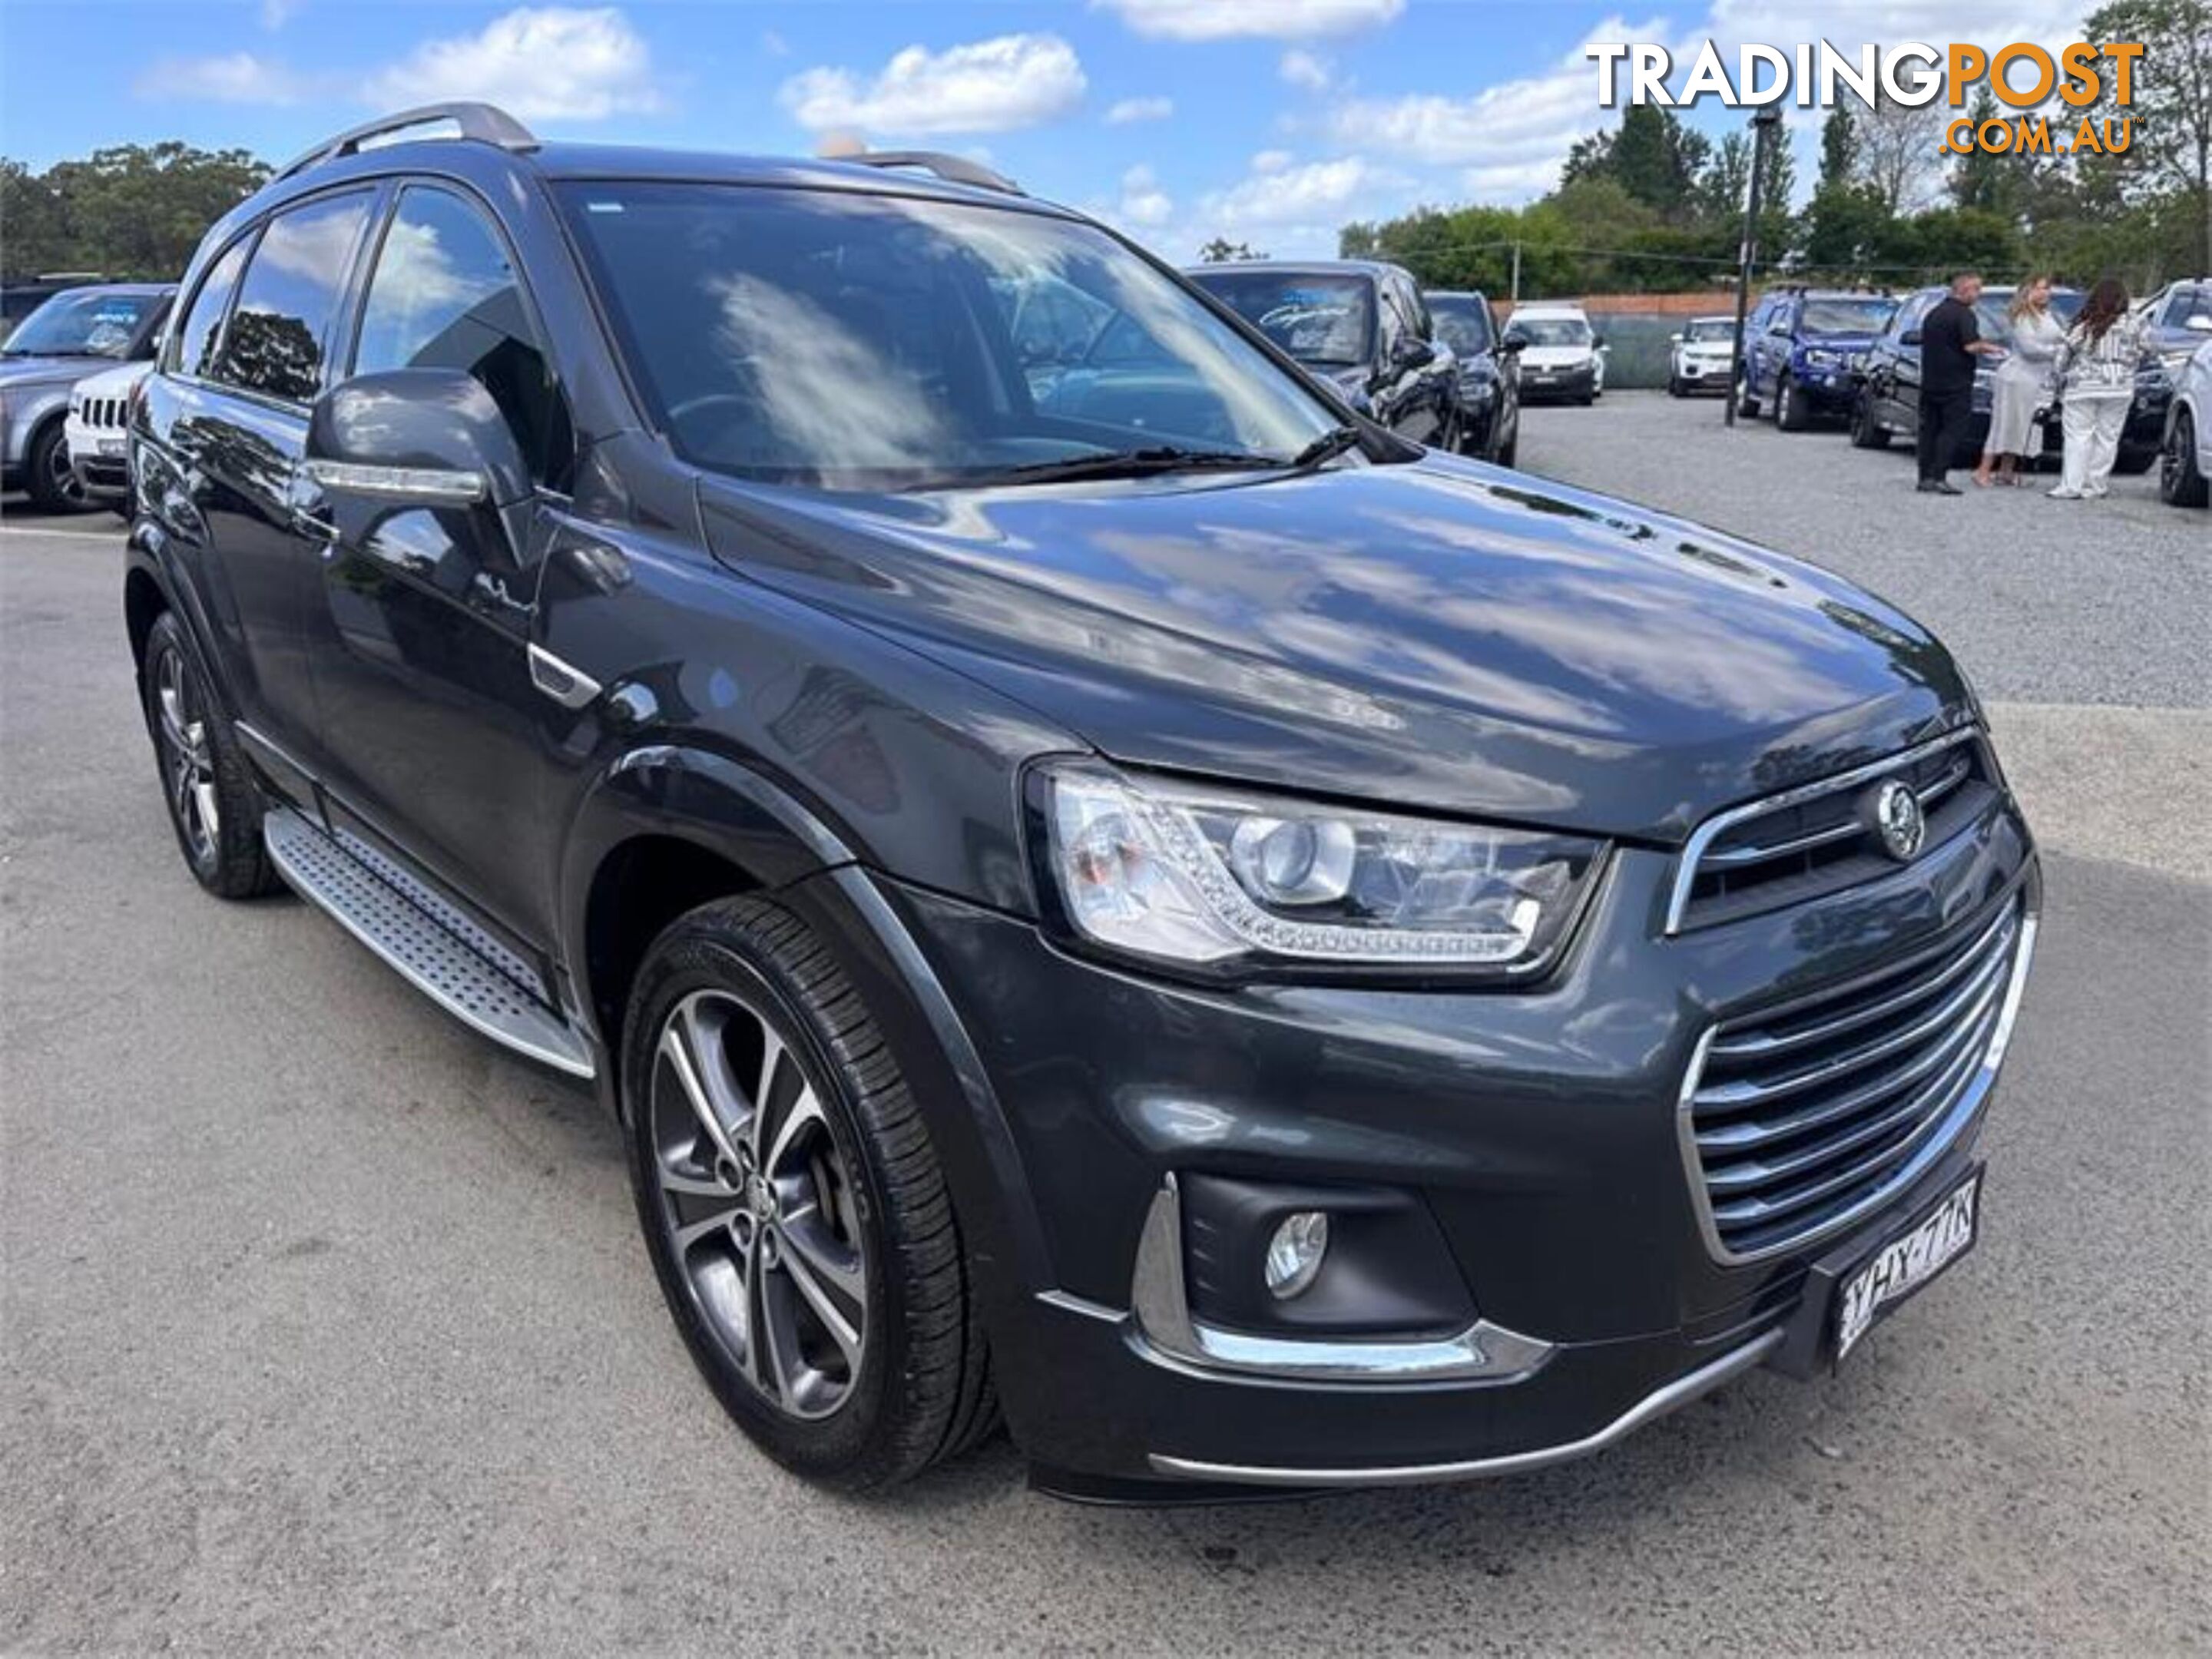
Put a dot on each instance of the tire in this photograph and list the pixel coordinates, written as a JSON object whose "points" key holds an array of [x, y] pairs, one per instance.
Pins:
{"points": [[1866, 432], [1789, 411], [1586, 398], [213, 805], [2180, 482], [2131, 461], [1510, 450], [53, 487], [881, 1368], [1675, 388], [1747, 405]]}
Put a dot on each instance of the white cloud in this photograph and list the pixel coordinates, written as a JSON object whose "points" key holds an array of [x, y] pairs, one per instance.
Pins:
{"points": [[1271, 160], [1139, 109], [1143, 202], [988, 86], [552, 62], [1275, 19], [237, 77], [774, 44], [1348, 187], [275, 14], [1308, 70]]}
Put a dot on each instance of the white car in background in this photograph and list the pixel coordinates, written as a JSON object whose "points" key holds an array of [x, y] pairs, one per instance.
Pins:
{"points": [[2186, 462], [1701, 356], [94, 434], [1561, 355]]}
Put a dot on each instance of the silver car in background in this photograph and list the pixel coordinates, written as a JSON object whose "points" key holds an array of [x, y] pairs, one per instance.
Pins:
{"points": [[78, 332]]}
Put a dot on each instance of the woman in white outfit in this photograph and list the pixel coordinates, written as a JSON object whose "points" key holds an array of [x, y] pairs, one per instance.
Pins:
{"points": [[2023, 383], [2097, 377]]}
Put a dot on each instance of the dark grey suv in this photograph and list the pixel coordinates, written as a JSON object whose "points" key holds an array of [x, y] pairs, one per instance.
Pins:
{"points": [[1262, 954]]}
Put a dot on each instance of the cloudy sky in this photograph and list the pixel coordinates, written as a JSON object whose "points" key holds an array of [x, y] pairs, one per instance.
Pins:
{"points": [[1268, 121]]}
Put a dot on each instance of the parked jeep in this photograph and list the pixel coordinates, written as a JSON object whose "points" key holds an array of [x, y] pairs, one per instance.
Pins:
{"points": [[1274, 956]]}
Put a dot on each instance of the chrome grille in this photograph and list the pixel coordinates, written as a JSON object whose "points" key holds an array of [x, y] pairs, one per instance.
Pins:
{"points": [[1812, 841], [1800, 1118]]}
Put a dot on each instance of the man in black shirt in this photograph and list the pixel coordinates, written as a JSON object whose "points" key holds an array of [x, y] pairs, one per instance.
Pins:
{"points": [[1950, 340]]}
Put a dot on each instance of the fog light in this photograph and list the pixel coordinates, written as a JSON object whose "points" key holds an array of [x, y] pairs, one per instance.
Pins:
{"points": [[1294, 1253]]}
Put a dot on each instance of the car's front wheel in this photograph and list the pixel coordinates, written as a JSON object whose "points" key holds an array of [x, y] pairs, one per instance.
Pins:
{"points": [[2180, 481], [1867, 431], [51, 482], [1789, 410], [792, 1204], [213, 803]]}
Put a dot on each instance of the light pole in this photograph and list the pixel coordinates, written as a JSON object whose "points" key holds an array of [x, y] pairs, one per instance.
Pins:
{"points": [[1763, 122]]}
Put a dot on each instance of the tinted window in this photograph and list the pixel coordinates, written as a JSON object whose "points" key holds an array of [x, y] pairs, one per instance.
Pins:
{"points": [[290, 293], [1552, 330], [444, 296], [863, 342], [202, 326], [1464, 323], [1317, 319]]}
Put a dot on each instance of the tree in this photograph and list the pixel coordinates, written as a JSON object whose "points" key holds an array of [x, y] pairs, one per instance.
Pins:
{"points": [[1839, 149], [2172, 101], [1726, 177], [1982, 179], [1220, 250], [1899, 151], [133, 210]]}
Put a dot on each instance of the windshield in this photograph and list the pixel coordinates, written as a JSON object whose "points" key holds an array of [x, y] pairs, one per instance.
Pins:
{"points": [[1865, 316], [1706, 329], [867, 342], [1321, 320], [1464, 323], [1552, 330], [83, 323]]}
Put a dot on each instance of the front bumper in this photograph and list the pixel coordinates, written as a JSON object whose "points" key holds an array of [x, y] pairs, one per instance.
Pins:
{"points": [[1537, 384], [1708, 374], [1830, 390], [1538, 1129]]}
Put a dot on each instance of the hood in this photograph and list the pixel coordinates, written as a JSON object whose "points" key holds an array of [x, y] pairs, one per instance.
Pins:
{"points": [[27, 371], [1436, 634], [115, 382], [1842, 344], [1556, 357]]}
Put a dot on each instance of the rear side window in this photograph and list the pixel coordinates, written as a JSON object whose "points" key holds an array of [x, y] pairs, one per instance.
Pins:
{"points": [[201, 331], [277, 331], [444, 295]]}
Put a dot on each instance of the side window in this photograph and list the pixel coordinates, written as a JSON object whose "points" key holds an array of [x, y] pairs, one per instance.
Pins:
{"points": [[202, 330], [275, 342], [444, 295]]}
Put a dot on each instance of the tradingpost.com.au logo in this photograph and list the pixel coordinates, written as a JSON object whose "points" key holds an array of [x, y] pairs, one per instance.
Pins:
{"points": [[2022, 74]]}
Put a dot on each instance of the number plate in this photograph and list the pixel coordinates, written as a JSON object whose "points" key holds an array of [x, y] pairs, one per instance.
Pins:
{"points": [[110, 445], [1905, 1264]]}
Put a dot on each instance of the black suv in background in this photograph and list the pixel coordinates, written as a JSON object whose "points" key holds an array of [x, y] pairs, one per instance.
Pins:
{"points": [[1272, 956], [1886, 376], [1361, 325], [1489, 375]]}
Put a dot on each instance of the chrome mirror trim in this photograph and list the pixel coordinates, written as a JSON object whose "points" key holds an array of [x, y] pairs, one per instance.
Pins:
{"points": [[423, 485], [571, 687], [1161, 1309]]}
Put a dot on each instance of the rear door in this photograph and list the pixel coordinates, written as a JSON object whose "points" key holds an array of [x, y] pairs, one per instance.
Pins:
{"points": [[252, 355], [433, 731]]}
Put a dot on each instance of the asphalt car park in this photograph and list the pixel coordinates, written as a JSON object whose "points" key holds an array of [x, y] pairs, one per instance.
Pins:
{"points": [[324, 1324]]}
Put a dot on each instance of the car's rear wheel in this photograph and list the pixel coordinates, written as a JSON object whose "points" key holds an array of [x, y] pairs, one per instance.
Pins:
{"points": [[208, 789], [792, 1204], [1867, 431], [2180, 483], [50, 481]]}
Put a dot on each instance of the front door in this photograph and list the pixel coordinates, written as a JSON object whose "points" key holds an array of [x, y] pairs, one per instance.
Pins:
{"points": [[434, 735]]}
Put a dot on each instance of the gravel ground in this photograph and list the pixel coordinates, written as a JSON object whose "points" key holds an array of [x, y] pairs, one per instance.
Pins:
{"points": [[324, 1325], [2045, 601]]}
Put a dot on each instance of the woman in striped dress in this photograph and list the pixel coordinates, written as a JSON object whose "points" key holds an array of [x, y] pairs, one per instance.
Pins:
{"points": [[2097, 377]]}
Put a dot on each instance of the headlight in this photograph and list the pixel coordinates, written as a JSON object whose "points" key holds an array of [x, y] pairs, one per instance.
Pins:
{"points": [[1188, 873], [1822, 359], [1476, 393]]}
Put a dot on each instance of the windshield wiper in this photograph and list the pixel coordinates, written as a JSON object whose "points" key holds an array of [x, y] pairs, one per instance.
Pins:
{"points": [[1326, 448], [1126, 464]]}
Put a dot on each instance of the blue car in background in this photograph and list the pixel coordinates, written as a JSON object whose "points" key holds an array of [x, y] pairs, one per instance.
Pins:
{"points": [[1797, 352]]}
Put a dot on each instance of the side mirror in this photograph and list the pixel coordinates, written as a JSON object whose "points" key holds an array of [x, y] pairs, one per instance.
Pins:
{"points": [[1680, 339], [2199, 323], [1410, 353], [1513, 345], [1911, 337], [416, 437]]}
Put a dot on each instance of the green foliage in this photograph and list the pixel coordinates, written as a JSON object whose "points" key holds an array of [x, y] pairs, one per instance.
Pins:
{"points": [[2169, 163], [132, 210], [1220, 250]]}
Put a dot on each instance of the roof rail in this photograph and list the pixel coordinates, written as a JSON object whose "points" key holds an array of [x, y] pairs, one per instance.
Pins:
{"points": [[954, 169], [486, 123]]}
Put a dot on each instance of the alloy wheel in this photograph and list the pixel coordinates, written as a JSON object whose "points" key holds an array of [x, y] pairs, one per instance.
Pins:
{"points": [[187, 755], [61, 478], [757, 1203]]}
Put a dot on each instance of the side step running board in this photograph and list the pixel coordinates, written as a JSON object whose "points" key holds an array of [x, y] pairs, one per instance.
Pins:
{"points": [[432, 945]]}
